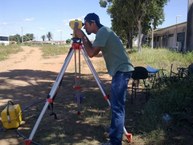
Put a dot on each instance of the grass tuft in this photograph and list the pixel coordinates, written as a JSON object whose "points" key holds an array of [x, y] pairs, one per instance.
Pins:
{"points": [[5, 51]]}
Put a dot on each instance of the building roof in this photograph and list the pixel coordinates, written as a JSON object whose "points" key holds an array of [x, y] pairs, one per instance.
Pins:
{"points": [[169, 27]]}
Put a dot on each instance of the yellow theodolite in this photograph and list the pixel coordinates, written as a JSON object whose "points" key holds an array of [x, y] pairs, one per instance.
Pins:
{"points": [[75, 24]]}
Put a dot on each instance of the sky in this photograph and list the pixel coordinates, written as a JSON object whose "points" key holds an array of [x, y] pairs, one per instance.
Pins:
{"points": [[42, 16]]}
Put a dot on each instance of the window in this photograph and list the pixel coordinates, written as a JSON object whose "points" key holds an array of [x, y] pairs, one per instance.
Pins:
{"points": [[3, 38]]}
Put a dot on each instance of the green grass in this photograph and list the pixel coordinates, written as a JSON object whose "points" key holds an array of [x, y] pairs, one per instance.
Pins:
{"points": [[5, 51], [54, 50], [174, 97], [161, 58]]}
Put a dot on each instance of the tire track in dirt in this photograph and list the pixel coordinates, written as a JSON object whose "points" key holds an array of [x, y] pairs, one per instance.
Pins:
{"points": [[26, 59], [31, 58], [26, 69]]}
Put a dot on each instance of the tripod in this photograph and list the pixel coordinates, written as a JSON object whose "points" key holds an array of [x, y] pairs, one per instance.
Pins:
{"points": [[76, 45]]}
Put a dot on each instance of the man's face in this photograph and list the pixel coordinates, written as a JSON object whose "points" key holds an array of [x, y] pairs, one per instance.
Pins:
{"points": [[88, 27]]}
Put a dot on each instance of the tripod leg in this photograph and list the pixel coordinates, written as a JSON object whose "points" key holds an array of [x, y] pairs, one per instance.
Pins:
{"points": [[51, 95], [77, 88], [61, 74], [91, 67], [128, 135], [95, 75]]}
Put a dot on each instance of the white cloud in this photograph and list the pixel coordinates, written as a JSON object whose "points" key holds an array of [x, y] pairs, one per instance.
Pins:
{"points": [[59, 30], [66, 22], [41, 28], [29, 19], [4, 23]]}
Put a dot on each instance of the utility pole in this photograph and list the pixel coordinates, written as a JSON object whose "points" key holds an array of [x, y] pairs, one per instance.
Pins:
{"points": [[176, 38], [189, 34], [21, 34], [152, 33]]}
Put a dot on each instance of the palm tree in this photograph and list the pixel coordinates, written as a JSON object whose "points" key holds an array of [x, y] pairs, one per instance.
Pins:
{"points": [[43, 37], [49, 36]]}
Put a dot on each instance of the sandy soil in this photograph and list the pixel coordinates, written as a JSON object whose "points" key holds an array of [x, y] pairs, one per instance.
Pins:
{"points": [[15, 70]]}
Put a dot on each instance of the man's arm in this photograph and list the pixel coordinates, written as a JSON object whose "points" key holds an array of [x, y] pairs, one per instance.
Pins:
{"points": [[91, 51]]}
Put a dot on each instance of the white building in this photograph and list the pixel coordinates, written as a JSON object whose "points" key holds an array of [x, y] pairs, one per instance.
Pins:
{"points": [[4, 40], [173, 37]]}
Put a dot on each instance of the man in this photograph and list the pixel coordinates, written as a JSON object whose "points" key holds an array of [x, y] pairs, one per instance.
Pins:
{"points": [[118, 66]]}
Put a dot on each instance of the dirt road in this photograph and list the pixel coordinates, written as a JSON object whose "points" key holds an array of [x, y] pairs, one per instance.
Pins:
{"points": [[21, 70], [22, 78]]}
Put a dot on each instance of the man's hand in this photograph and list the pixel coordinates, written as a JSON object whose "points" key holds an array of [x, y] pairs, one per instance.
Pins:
{"points": [[79, 33]]}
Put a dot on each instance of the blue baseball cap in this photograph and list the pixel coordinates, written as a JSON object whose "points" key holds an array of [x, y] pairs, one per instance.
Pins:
{"points": [[92, 17]]}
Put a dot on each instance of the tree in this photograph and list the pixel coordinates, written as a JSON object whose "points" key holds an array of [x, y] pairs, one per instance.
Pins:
{"points": [[28, 37], [16, 38], [189, 42], [49, 36], [43, 37], [122, 21], [130, 18], [68, 41], [103, 3]]}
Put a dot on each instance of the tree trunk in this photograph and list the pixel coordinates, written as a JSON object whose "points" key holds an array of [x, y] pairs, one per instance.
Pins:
{"points": [[129, 40], [189, 36], [139, 35]]}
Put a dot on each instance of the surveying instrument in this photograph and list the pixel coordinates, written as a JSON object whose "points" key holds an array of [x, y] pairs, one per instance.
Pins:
{"points": [[76, 46]]}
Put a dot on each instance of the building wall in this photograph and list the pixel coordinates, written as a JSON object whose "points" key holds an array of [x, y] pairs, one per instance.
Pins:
{"points": [[173, 37]]}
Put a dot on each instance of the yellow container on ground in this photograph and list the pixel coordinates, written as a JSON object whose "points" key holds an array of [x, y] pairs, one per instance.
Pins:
{"points": [[11, 116]]}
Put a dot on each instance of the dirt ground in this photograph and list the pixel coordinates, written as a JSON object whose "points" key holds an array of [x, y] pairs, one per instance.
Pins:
{"points": [[26, 78]]}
